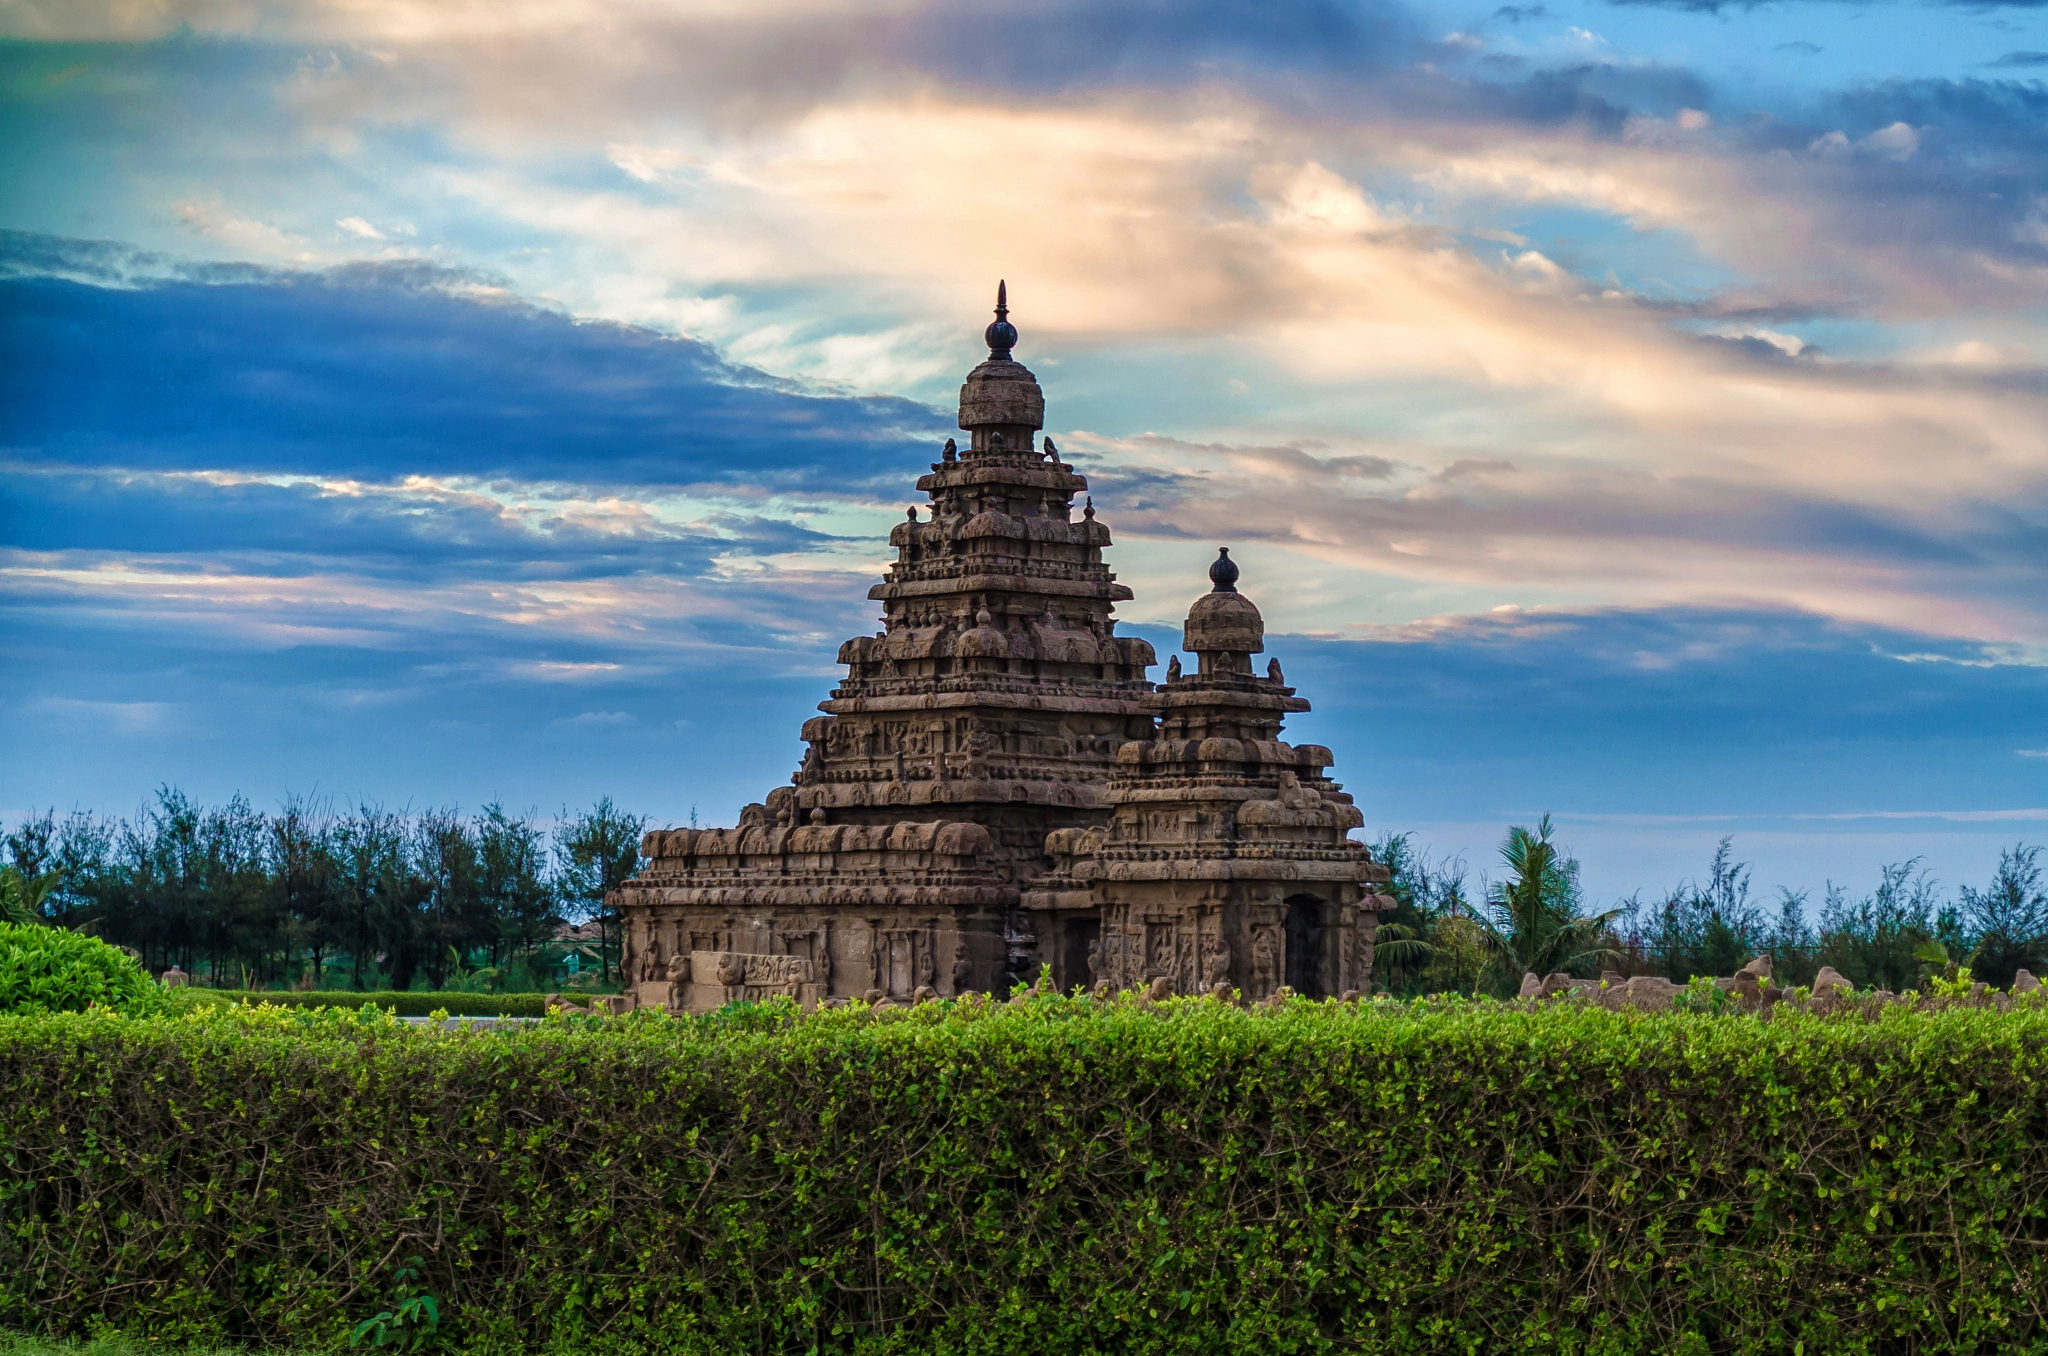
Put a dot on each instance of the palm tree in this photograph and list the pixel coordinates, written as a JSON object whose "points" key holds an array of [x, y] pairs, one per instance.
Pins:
{"points": [[22, 896], [1532, 921]]}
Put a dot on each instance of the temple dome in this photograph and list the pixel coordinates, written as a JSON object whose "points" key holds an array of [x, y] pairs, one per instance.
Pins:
{"points": [[984, 641], [1001, 393], [1224, 621]]}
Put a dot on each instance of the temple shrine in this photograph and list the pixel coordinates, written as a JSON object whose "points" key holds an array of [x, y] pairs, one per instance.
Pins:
{"points": [[997, 787]]}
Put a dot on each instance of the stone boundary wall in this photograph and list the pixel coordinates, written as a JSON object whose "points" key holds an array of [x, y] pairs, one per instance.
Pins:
{"points": [[1750, 988]]}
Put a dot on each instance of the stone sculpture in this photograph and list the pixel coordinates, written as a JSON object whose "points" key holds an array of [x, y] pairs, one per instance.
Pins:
{"points": [[1750, 989], [987, 779], [678, 982]]}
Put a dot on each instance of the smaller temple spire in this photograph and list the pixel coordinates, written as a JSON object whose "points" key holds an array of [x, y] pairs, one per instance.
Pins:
{"points": [[1001, 334], [1223, 572]]}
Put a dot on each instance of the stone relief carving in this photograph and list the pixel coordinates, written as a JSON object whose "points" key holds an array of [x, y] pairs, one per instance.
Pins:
{"points": [[1265, 961], [1215, 958], [678, 982]]}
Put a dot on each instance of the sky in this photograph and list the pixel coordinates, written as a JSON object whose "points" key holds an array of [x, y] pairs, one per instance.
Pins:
{"points": [[1635, 412]]}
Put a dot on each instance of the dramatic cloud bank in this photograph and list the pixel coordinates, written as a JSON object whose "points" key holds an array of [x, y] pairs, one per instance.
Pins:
{"points": [[1641, 406]]}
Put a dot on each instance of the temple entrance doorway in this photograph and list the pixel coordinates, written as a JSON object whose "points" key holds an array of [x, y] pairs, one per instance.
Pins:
{"points": [[1078, 937], [1305, 946]]}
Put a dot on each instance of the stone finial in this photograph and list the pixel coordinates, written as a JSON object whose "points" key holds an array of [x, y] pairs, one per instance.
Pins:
{"points": [[1001, 395], [1223, 571], [1273, 674], [1173, 668], [1089, 512], [911, 513], [817, 816], [1001, 334], [952, 452]]}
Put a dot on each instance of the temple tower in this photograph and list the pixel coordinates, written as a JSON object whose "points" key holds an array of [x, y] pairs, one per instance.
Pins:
{"points": [[1226, 858], [995, 786], [998, 689]]}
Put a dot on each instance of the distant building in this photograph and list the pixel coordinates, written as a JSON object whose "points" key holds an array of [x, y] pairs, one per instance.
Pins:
{"points": [[997, 786], [579, 948]]}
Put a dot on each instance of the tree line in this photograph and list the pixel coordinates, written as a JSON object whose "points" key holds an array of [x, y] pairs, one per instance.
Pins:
{"points": [[360, 898], [1445, 935], [369, 898]]}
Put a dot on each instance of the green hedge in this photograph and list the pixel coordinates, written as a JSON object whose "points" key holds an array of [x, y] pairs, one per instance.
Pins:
{"points": [[1048, 1177], [402, 1004], [45, 969]]}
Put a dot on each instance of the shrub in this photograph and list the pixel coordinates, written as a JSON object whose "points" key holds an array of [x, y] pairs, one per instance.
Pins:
{"points": [[404, 1004], [45, 969], [1056, 1176]]}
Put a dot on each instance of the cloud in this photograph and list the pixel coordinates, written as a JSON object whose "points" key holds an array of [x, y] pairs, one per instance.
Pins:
{"points": [[401, 425], [436, 361], [1679, 711], [128, 718], [601, 720], [239, 233], [382, 370], [1717, 6], [757, 59], [1694, 523], [2019, 60], [370, 458]]}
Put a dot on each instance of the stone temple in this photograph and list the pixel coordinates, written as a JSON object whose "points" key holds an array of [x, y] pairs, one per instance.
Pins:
{"points": [[997, 787]]}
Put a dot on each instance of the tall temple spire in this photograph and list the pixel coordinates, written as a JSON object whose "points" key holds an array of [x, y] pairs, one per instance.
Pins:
{"points": [[1001, 334]]}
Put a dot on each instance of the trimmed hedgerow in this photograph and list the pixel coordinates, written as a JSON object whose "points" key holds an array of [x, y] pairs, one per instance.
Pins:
{"points": [[405, 1004], [1055, 1176], [44, 969]]}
